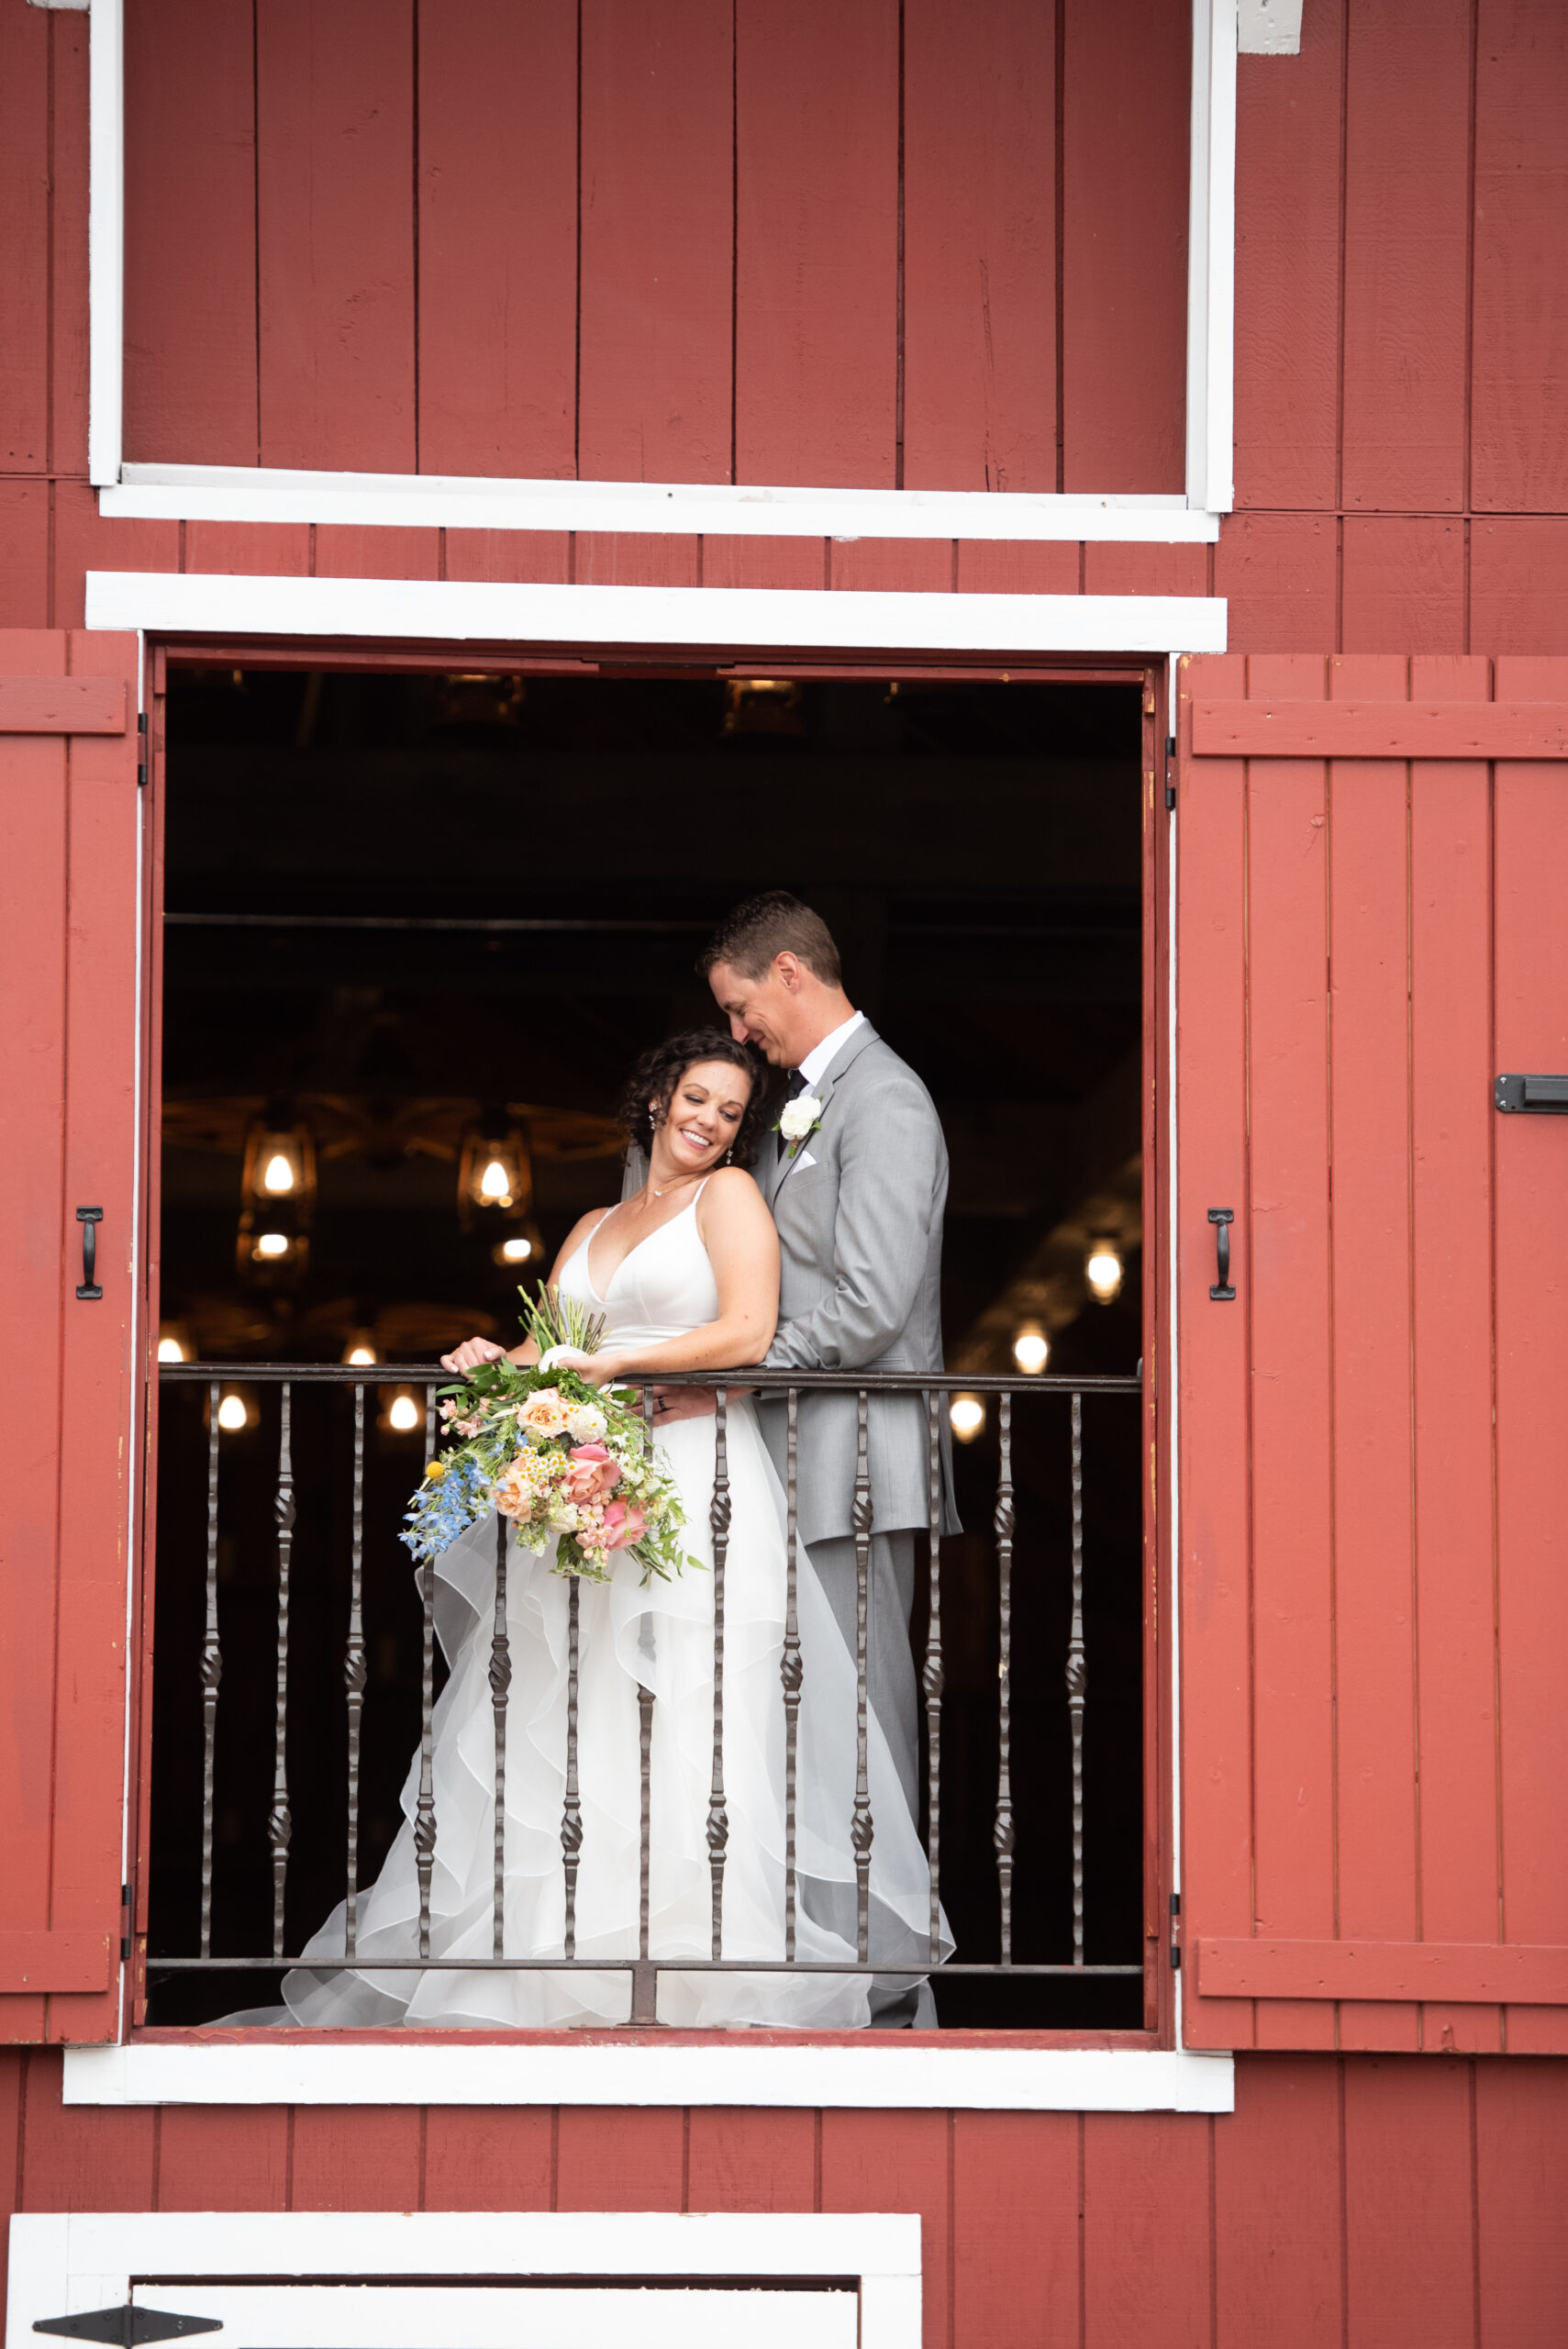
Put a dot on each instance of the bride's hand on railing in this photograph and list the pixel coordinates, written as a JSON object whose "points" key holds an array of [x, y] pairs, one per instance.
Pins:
{"points": [[471, 1353]]}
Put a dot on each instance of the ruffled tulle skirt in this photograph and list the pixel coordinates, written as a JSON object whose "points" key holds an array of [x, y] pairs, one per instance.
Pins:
{"points": [[659, 1638]]}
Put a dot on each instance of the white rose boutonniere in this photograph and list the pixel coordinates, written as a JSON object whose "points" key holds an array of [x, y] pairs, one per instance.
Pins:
{"points": [[797, 1118]]}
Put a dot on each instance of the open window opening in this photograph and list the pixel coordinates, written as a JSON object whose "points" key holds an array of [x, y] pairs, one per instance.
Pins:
{"points": [[417, 927]]}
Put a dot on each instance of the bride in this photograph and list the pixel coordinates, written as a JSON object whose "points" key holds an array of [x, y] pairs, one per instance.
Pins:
{"points": [[685, 1277]]}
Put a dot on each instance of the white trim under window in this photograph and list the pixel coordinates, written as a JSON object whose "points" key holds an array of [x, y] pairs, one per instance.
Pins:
{"points": [[62, 2264], [224, 493]]}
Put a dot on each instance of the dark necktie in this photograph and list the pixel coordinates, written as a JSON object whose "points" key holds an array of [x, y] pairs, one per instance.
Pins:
{"points": [[793, 1091]]}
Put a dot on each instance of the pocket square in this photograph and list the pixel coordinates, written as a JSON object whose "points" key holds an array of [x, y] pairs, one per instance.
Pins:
{"points": [[805, 1159]]}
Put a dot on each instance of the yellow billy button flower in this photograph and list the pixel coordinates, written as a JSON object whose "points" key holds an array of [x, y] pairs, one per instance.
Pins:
{"points": [[435, 1471]]}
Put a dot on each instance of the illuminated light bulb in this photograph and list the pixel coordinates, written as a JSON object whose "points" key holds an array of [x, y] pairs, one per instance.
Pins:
{"points": [[967, 1414], [171, 1350], [277, 1175], [495, 1185], [231, 1413], [405, 1414], [1031, 1349], [360, 1354], [516, 1251], [272, 1243], [1102, 1269]]}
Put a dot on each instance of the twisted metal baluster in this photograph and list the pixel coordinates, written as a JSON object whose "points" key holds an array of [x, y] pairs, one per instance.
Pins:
{"points": [[572, 1811], [718, 1520], [280, 1823], [644, 1982], [1078, 1679], [500, 1682], [931, 1677], [860, 1831], [212, 1664], [425, 1809], [1002, 1835], [354, 1673], [790, 1671]]}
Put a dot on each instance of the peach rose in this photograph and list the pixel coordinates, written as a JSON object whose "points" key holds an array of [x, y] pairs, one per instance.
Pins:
{"points": [[624, 1526], [544, 1413], [592, 1475], [517, 1489]]}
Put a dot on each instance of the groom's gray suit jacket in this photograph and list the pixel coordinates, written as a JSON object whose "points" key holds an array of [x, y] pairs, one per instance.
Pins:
{"points": [[859, 1209]]}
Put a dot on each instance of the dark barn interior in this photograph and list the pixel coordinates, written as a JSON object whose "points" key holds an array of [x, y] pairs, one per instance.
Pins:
{"points": [[414, 922]]}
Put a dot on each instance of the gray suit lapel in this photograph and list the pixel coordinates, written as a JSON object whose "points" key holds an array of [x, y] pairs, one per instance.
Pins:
{"points": [[824, 1090]]}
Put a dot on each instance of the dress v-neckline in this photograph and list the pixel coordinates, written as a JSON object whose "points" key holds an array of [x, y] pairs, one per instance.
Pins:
{"points": [[604, 1294]]}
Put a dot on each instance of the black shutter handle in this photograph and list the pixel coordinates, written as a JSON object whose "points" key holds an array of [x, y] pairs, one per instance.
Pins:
{"points": [[1221, 1290], [89, 1218]]}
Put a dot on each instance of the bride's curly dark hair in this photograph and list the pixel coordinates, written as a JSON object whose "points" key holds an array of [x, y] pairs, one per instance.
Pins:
{"points": [[661, 1069]]}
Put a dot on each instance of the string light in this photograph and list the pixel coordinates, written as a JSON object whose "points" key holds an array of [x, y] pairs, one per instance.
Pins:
{"points": [[171, 1350], [1102, 1269], [1031, 1349], [967, 1413], [271, 1246], [278, 1175], [357, 1357], [495, 1185], [403, 1414], [232, 1415], [515, 1251]]}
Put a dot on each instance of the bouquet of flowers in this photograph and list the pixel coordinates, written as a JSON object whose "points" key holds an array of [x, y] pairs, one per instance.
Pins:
{"points": [[562, 1460]]}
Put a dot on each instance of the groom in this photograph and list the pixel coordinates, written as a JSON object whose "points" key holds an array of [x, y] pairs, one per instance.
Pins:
{"points": [[857, 1180]]}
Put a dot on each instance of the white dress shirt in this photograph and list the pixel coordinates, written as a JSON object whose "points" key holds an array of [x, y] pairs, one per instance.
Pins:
{"points": [[821, 1058]]}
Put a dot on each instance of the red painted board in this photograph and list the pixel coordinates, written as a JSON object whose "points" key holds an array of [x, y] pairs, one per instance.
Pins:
{"points": [[1127, 77], [213, 2157], [24, 239], [1438, 726], [1279, 574], [1530, 854], [68, 253], [355, 2157], [1407, 167], [1403, 585], [1521, 2179], [1518, 585], [190, 234], [84, 540], [739, 2158], [1287, 273], [979, 246], [621, 2160], [266, 550], [62, 705], [635, 558], [763, 562], [817, 243], [1284, 1240], [529, 555], [898, 2161], [356, 551], [497, 229], [1016, 2244], [81, 2157], [1519, 413], [34, 1962], [335, 175], [889, 564], [1214, 1576], [1452, 1117], [1410, 2242], [486, 2157], [1373, 1534], [1128, 567], [657, 241], [1380, 1969], [1276, 2207], [24, 553], [1020, 567], [1146, 2227]]}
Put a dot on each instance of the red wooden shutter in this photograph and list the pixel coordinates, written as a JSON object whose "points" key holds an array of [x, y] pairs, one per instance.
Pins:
{"points": [[1373, 855], [68, 1058]]}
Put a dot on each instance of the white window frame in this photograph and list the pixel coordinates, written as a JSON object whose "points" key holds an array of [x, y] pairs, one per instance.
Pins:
{"points": [[63, 2264], [251, 493]]}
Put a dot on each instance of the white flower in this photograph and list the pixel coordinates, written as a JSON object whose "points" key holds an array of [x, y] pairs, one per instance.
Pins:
{"points": [[585, 1423], [798, 1117]]}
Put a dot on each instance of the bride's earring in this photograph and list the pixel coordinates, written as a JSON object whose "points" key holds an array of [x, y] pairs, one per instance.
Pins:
{"points": [[727, 1156]]}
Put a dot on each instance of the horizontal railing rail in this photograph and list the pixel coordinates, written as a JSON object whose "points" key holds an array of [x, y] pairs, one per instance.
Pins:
{"points": [[648, 1963]]}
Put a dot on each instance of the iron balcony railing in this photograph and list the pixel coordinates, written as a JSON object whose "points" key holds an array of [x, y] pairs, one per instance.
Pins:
{"points": [[648, 1965]]}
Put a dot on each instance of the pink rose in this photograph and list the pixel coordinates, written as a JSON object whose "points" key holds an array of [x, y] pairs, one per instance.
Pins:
{"points": [[624, 1526], [592, 1474]]}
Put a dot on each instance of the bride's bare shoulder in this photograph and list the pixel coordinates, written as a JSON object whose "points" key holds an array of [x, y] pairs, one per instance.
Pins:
{"points": [[733, 1191]]}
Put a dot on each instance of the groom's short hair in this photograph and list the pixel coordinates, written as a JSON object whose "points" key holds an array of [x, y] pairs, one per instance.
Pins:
{"points": [[751, 938]]}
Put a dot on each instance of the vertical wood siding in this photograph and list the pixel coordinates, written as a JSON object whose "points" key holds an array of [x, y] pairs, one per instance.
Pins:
{"points": [[1348, 2203], [1373, 1612]]}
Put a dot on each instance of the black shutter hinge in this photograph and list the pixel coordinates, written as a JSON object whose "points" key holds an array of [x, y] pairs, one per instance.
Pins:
{"points": [[1170, 771], [127, 2327], [141, 748], [125, 1925], [1176, 1932]]}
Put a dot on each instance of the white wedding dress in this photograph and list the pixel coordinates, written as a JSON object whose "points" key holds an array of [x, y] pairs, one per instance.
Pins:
{"points": [[662, 1638]]}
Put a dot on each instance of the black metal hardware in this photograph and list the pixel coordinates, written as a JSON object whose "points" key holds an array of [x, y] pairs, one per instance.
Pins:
{"points": [[129, 2326], [1221, 1290], [141, 748], [1176, 1932], [1169, 765], [89, 1218], [1545, 1095], [125, 1925]]}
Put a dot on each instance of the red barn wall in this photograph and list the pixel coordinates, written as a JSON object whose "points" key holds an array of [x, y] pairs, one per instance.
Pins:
{"points": [[1348, 2203]]}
